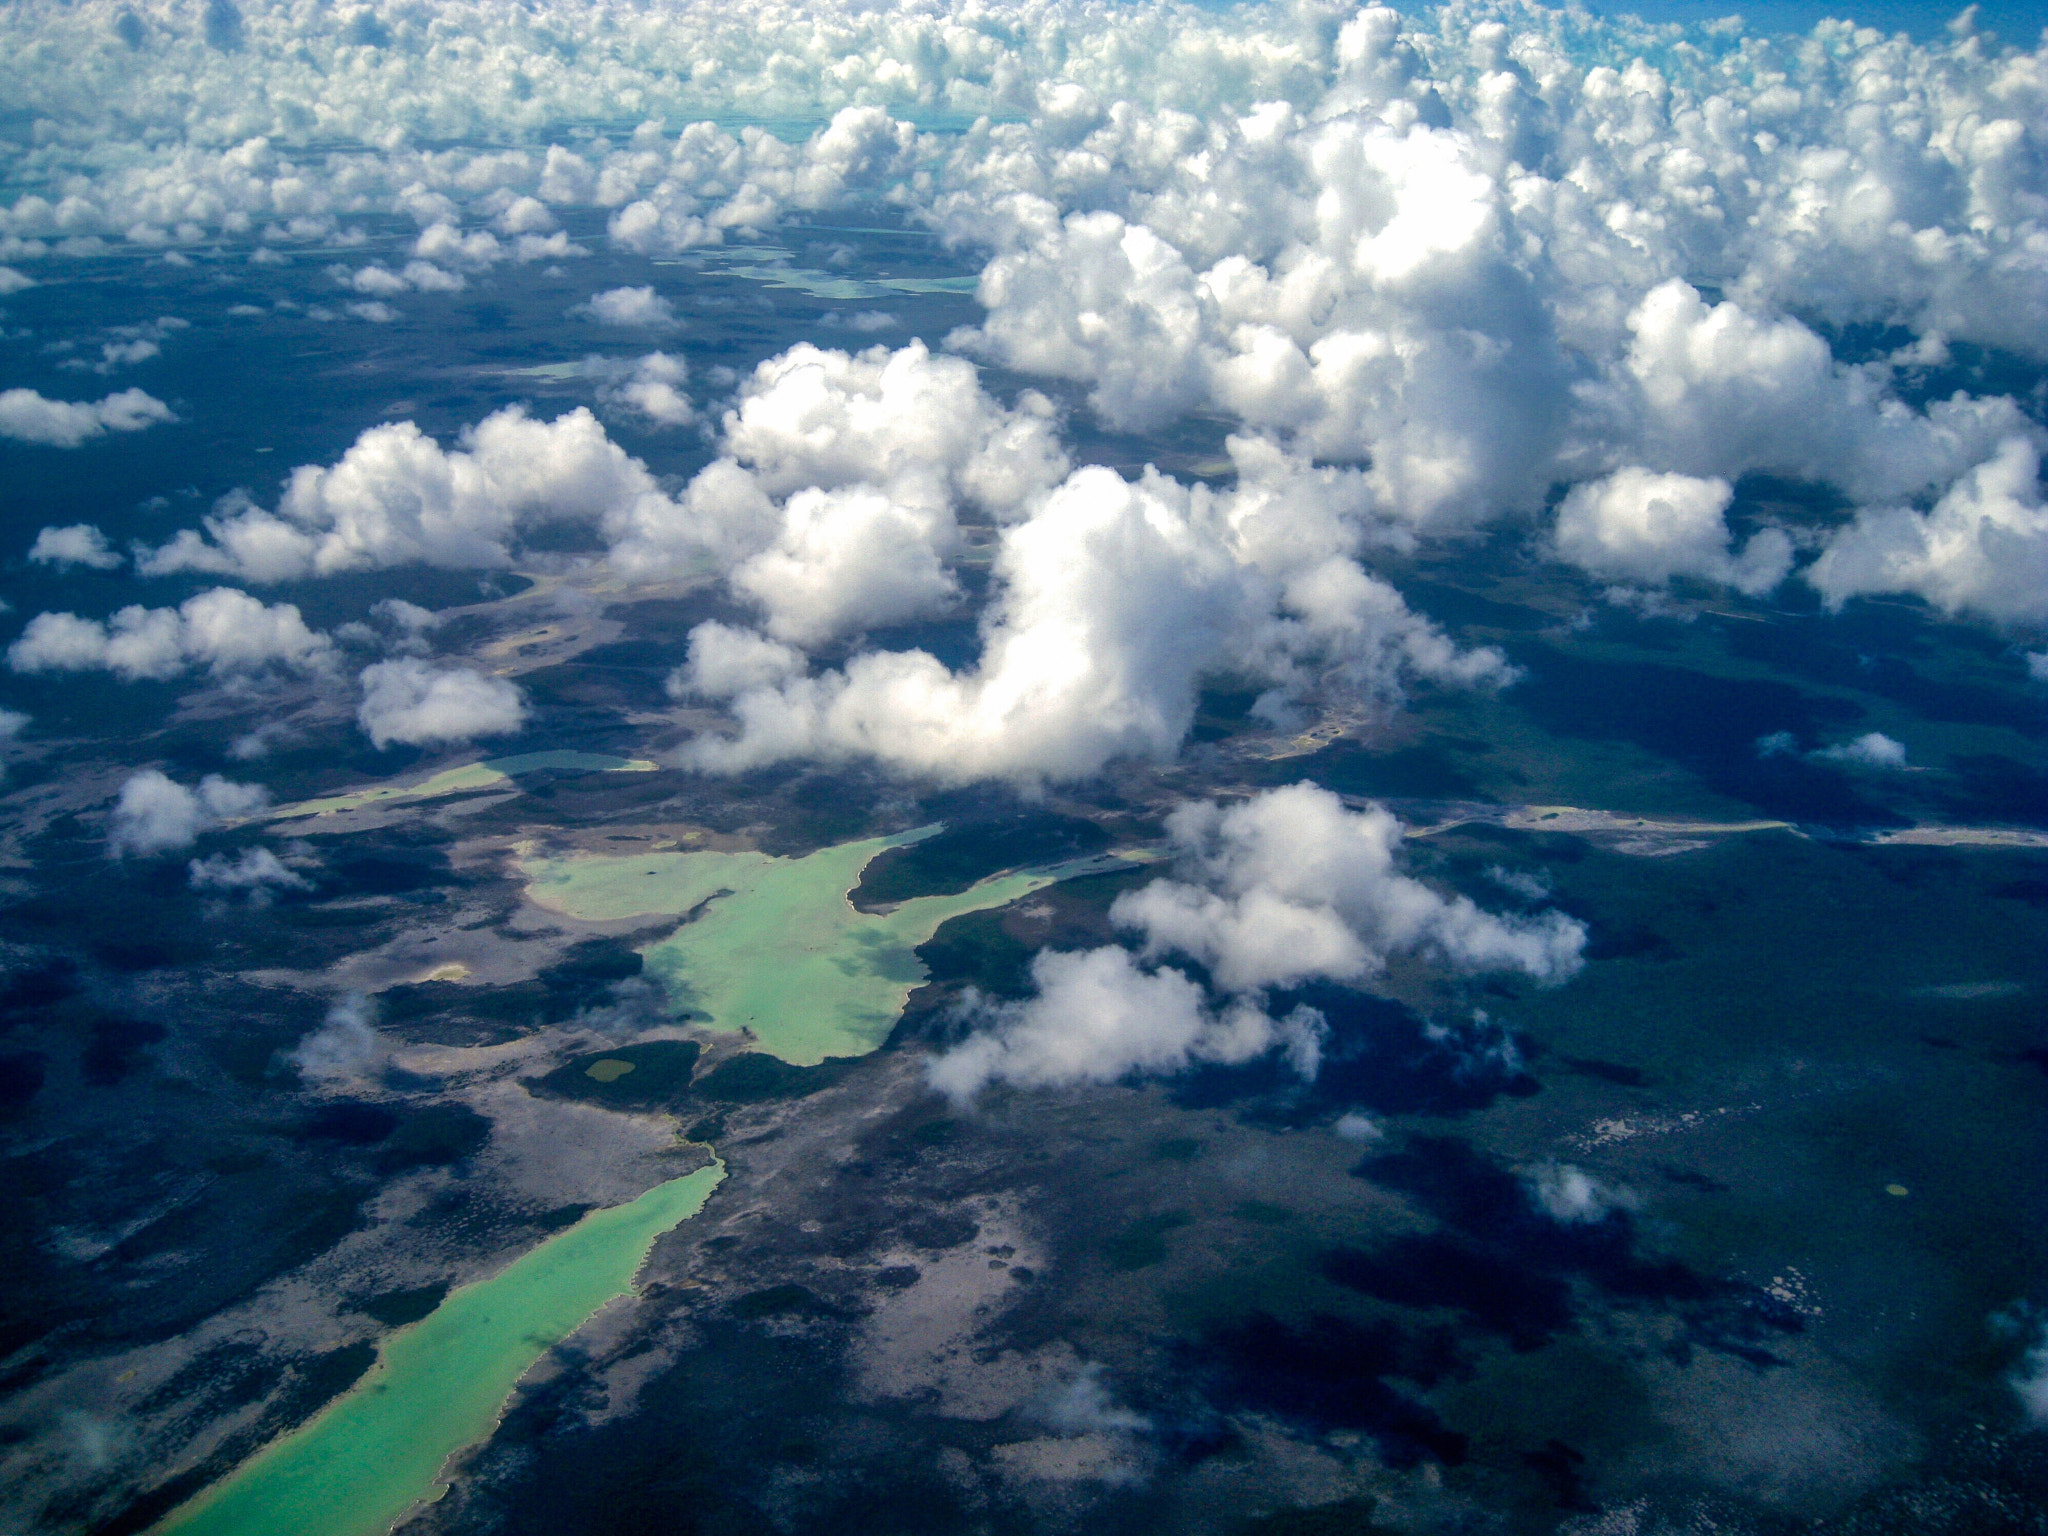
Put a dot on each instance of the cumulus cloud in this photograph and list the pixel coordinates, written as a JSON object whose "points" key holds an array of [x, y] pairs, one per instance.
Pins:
{"points": [[156, 814], [1466, 251], [255, 872], [1086, 1406], [409, 701], [1638, 526], [844, 560], [1286, 888], [78, 544], [1873, 749], [907, 421], [345, 1046], [1983, 548], [226, 631], [638, 309], [649, 387], [27, 417], [835, 507], [1097, 1017], [1113, 600], [398, 498], [1290, 886], [725, 662], [1571, 1196]]}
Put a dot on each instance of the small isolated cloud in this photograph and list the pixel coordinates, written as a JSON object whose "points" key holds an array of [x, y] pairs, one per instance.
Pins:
{"points": [[1873, 749], [376, 311], [1639, 526], [1527, 884], [866, 322], [346, 1045], [1777, 744], [1358, 1126], [255, 871], [1573, 1197], [226, 631], [27, 417], [1086, 1406], [13, 281], [408, 701], [2037, 666], [156, 814], [649, 386], [1098, 1017], [258, 743], [1290, 887], [78, 544], [638, 309]]}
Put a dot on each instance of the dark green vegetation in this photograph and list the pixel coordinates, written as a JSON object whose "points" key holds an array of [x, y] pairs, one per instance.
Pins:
{"points": [[952, 860], [660, 1075], [397, 1308]]}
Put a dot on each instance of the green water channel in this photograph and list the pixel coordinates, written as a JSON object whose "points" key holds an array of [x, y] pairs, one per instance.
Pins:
{"points": [[776, 949], [438, 1386], [775, 946], [455, 781]]}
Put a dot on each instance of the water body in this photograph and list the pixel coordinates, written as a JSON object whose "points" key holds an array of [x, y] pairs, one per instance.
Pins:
{"points": [[776, 947], [454, 781], [778, 950], [439, 1385]]}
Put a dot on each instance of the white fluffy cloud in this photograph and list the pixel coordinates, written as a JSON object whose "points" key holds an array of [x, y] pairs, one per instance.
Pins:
{"points": [[835, 507], [1114, 600], [1873, 749], [78, 544], [156, 814], [649, 387], [346, 1046], [1286, 888], [407, 700], [27, 417], [1572, 1197], [1639, 526], [398, 498], [226, 631], [255, 872], [1291, 887], [1983, 548], [633, 309], [918, 425], [1476, 253], [844, 560], [1097, 1017]]}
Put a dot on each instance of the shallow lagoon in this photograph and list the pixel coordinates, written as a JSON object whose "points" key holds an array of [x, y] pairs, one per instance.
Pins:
{"points": [[439, 1385], [835, 978]]}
